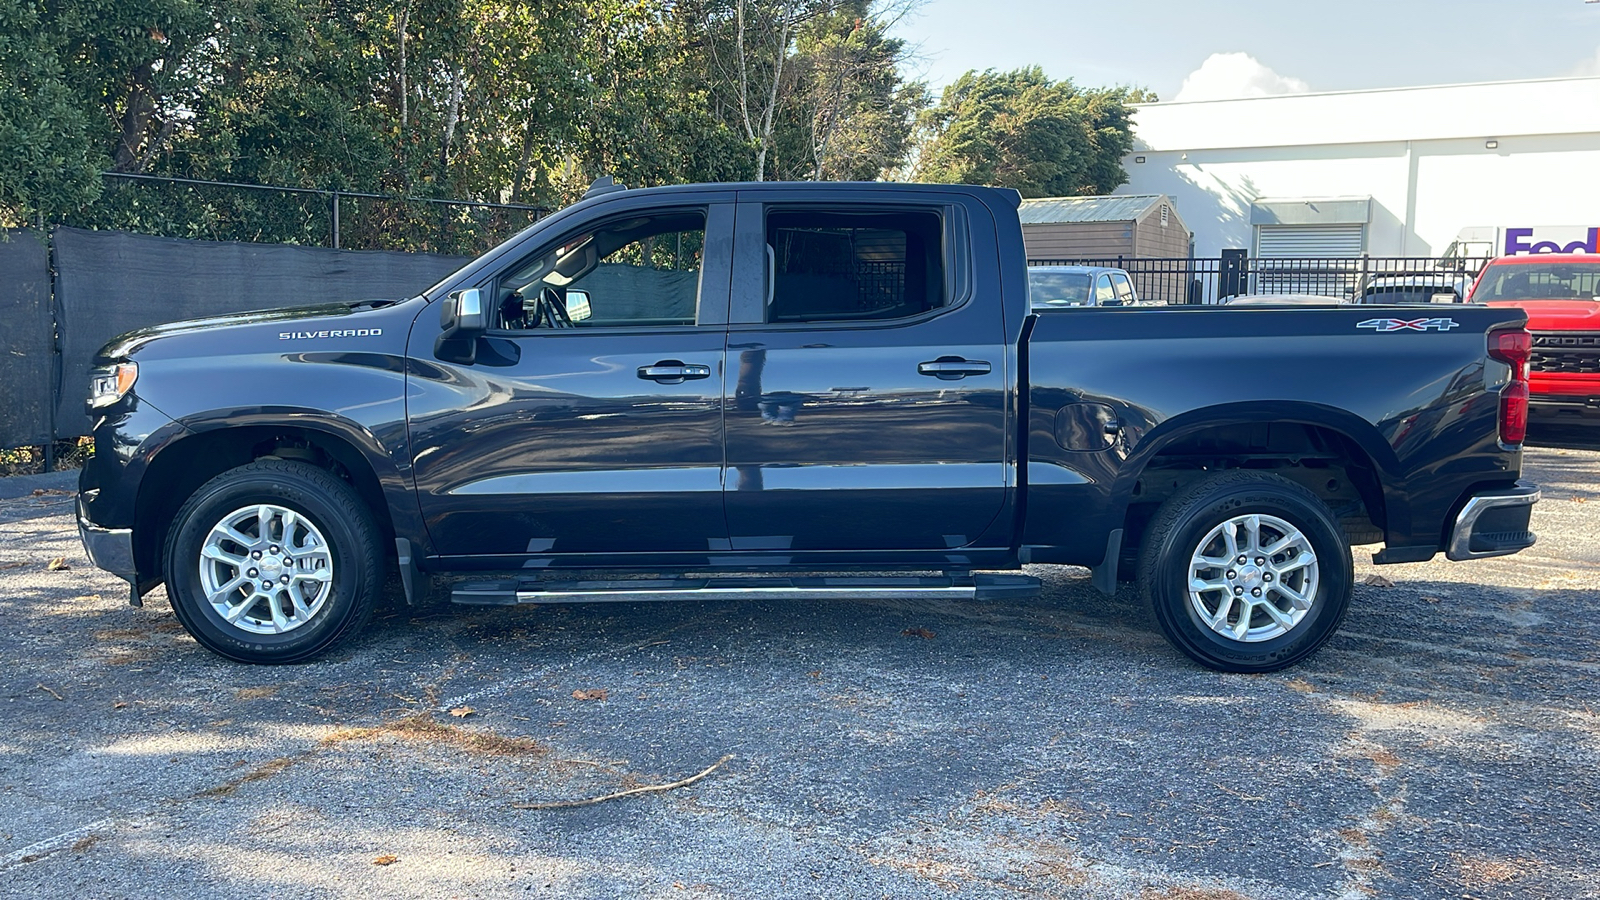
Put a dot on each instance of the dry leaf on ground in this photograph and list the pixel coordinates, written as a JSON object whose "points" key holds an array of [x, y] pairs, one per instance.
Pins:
{"points": [[388, 859], [923, 633], [461, 712], [1377, 581], [58, 564], [591, 694]]}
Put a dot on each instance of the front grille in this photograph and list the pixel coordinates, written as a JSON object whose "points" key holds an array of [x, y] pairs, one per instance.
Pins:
{"points": [[1566, 353]]}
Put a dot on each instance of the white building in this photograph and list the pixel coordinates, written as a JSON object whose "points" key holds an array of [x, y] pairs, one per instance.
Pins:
{"points": [[1397, 172]]}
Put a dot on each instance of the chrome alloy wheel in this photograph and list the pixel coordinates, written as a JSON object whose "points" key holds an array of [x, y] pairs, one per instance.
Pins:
{"points": [[1253, 578], [266, 569]]}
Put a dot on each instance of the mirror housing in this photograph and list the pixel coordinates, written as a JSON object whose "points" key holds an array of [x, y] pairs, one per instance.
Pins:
{"points": [[578, 307], [462, 320]]}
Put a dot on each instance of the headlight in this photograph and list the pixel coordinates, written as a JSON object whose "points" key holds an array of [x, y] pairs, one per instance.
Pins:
{"points": [[109, 384]]}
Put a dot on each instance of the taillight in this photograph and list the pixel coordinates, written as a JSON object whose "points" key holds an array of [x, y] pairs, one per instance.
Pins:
{"points": [[1514, 347]]}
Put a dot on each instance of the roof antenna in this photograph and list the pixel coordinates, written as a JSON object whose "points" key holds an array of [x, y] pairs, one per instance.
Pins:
{"points": [[605, 184]]}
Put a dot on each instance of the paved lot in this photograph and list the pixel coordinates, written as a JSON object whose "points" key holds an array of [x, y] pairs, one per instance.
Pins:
{"points": [[1446, 744]]}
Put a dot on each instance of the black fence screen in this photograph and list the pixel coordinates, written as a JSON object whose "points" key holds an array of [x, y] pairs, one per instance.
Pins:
{"points": [[26, 338], [110, 282]]}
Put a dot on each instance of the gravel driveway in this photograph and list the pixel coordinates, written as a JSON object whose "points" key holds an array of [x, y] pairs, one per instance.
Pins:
{"points": [[1445, 744]]}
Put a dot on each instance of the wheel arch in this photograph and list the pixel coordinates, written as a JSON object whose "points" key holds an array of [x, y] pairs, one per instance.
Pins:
{"points": [[214, 445], [1359, 443]]}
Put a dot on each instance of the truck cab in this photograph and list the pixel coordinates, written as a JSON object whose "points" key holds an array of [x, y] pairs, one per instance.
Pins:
{"points": [[1561, 294]]}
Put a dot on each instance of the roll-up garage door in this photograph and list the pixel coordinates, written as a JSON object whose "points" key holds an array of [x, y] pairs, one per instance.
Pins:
{"points": [[1307, 259], [1280, 241]]}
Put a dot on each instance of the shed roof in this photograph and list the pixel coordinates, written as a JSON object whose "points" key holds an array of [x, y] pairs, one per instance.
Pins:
{"points": [[1110, 208]]}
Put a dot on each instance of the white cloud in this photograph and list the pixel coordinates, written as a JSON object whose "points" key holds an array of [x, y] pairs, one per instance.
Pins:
{"points": [[1590, 65], [1228, 76]]}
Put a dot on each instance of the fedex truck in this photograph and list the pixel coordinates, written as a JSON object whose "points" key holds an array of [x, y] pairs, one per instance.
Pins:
{"points": [[1483, 241]]}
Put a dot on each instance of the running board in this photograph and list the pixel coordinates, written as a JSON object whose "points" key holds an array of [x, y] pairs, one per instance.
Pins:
{"points": [[975, 587]]}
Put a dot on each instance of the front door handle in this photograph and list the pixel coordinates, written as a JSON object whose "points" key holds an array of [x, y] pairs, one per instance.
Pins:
{"points": [[951, 368], [672, 371]]}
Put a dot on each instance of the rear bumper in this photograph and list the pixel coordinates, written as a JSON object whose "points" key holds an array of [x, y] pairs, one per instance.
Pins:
{"points": [[1494, 523], [110, 549]]}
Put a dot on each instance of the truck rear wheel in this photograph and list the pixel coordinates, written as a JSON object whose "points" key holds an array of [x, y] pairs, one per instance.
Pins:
{"points": [[273, 562], [1246, 572]]}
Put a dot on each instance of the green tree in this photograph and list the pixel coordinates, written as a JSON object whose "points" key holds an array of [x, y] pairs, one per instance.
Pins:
{"points": [[812, 86], [854, 112], [1022, 130], [47, 161]]}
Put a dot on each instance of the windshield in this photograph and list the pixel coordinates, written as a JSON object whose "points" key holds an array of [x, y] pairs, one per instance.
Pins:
{"points": [[1406, 294], [1059, 288], [1540, 281]]}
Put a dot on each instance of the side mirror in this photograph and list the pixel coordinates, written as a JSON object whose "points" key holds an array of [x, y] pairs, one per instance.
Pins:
{"points": [[578, 307], [463, 320]]}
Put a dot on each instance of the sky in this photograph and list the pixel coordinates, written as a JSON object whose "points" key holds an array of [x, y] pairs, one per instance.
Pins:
{"points": [[1204, 51]]}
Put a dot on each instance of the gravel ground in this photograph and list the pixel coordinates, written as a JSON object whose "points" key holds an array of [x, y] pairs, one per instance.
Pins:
{"points": [[1445, 744]]}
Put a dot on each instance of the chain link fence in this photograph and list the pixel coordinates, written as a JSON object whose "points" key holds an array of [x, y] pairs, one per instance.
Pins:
{"points": [[274, 214]]}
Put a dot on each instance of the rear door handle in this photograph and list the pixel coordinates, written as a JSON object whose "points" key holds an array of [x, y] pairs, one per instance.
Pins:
{"points": [[951, 368], [672, 371]]}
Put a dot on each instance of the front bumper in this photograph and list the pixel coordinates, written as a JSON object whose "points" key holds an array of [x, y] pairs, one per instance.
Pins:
{"points": [[110, 549], [1559, 408], [1494, 523]]}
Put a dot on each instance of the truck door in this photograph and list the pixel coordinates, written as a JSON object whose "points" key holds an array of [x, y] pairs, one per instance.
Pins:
{"points": [[590, 421], [868, 407]]}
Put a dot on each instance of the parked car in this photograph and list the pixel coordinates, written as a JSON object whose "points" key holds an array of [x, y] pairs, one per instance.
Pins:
{"points": [[1561, 295], [1443, 287], [768, 381], [1050, 286]]}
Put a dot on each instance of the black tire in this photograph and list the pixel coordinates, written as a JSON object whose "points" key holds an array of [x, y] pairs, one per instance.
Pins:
{"points": [[331, 506], [1174, 538]]}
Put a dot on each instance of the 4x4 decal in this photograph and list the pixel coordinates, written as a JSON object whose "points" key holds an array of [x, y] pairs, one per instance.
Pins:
{"points": [[1384, 326]]}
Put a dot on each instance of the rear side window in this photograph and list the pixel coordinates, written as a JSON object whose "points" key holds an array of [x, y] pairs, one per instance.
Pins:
{"points": [[850, 267]]}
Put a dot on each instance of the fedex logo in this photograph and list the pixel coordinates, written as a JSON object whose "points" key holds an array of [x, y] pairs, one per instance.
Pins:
{"points": [[1520, 241]]}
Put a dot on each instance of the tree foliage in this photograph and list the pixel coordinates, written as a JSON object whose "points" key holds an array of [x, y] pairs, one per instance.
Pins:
{"points": [[521, 101], [1022, 130]]}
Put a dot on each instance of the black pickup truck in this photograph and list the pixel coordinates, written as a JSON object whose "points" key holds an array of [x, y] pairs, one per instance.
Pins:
{"points": [[810, 391]]}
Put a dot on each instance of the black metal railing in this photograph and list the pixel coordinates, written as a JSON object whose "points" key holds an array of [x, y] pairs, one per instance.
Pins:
{"points": [[1366, 279]]}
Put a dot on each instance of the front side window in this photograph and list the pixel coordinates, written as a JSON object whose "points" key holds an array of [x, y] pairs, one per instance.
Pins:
{"points": [[1123, 287], [1104, 294], [640, 271], [853, 267]]}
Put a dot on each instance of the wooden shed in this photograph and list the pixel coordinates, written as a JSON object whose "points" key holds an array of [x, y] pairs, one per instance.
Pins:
{"points": [[1131, 226]]}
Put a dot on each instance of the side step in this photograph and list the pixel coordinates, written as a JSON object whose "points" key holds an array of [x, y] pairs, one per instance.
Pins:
{"points": [[973, 587]]}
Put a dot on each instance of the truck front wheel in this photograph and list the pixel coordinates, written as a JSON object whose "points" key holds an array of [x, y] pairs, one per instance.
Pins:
{"points": [[273, 562], [1246, 571]]}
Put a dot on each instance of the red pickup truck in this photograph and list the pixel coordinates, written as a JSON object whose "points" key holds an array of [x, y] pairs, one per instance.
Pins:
{"points": [[1561, 294]]}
